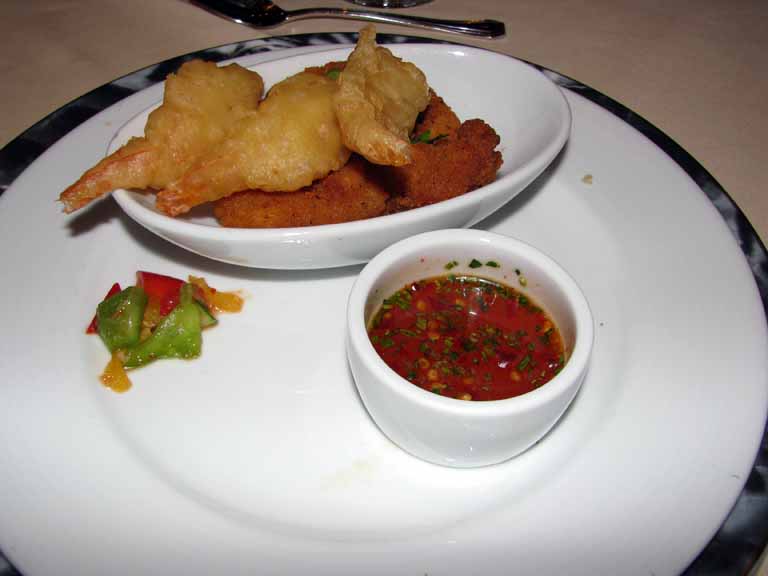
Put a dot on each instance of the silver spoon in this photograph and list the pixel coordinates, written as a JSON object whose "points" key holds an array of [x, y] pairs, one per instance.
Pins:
{"points": [[264, 14]]}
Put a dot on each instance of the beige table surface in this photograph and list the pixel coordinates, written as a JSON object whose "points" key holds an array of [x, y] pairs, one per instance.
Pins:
{"points": [[695, 69]]}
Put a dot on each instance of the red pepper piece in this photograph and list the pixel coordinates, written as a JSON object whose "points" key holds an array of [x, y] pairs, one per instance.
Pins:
{"points": [[163, 289], [93, 327]]}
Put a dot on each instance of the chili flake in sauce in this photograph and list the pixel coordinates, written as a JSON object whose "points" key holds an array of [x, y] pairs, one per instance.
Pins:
{"points": [[468, 338]]}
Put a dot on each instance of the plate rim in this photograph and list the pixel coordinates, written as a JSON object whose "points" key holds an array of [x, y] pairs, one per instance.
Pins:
{"points": [[737, 544]]}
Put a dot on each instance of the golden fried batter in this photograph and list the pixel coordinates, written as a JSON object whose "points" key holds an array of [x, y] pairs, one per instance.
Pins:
{"points": [[378, 100], [201, 105], [292, 139], [351, 193]]}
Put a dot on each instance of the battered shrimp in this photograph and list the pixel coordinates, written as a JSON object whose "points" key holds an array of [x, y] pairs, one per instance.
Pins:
{"points": [[291, 140], [378, 100], [201, 105]]}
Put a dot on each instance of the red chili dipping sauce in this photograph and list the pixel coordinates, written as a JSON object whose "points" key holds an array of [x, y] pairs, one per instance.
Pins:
{"points": [[468, 338]]}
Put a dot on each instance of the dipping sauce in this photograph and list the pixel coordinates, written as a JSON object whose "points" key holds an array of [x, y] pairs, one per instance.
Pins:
{"points": [[467, 337]]}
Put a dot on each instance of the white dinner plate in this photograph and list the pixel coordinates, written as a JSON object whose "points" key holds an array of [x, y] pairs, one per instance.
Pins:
{"points": [[259, 458]]}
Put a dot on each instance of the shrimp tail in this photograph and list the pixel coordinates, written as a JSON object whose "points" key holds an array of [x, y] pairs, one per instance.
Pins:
{"points": [[128, 167]]}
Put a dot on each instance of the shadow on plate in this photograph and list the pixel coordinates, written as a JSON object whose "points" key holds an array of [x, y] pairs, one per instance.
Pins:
{"points": [[98, 213]]}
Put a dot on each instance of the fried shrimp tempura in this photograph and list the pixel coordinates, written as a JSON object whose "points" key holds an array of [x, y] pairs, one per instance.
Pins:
{"points": [[378, 100], [201, 105], [292, 139]]}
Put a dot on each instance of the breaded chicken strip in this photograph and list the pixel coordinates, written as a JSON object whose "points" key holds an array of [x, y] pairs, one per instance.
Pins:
{"points": [[450, 167], [437, 120], [351, 193]]}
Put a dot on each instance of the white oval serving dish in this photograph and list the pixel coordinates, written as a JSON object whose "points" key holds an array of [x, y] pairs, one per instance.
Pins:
{"points": [[526, 109]]}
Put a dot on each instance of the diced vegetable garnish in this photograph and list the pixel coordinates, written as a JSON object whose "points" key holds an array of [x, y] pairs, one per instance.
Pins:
{"points": [[93, 327], [160, 317], [206, 318], [179, 335], [119, 318], [114, 376], [163, 289], [215, 300]]}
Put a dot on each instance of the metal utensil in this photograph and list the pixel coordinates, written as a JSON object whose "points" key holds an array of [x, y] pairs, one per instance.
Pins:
{"points": [[388, 3], [264, 14]]}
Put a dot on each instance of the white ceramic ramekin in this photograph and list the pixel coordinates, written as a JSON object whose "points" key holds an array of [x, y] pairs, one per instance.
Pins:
{"points": [[454, 432]]}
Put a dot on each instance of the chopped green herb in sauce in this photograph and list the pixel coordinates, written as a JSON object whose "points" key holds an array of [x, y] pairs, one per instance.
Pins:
{"points": [[467, 337]]}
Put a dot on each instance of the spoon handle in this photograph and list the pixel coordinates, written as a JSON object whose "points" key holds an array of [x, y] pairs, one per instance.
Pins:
{"points": [[483, 28]]}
